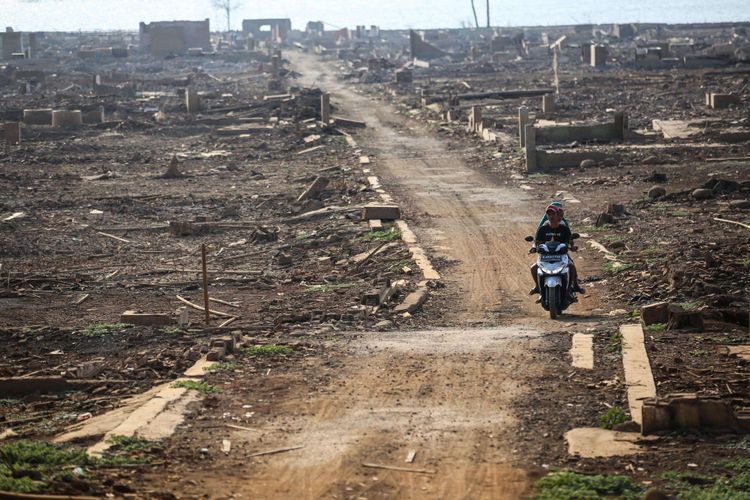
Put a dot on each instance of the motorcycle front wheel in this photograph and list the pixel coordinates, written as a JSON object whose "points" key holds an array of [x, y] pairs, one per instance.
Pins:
{"points": [[552, 301]]}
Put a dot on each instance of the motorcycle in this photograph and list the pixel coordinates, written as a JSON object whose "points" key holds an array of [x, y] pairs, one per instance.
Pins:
{"points": [[553, 275]]}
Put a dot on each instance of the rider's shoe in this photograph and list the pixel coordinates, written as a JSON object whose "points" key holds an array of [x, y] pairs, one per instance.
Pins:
{"points": [[579, 289], [539, 300], [534, 291]]}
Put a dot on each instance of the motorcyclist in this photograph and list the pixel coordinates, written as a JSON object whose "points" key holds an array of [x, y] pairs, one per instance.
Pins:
{"points": [[553, 229]]}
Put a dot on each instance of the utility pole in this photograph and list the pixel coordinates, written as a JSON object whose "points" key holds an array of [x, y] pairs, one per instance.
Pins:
{"points": [[488, 13], [474, 9]]}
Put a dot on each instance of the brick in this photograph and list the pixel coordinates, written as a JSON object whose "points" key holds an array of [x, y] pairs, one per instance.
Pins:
{"points": [[382, 212]]}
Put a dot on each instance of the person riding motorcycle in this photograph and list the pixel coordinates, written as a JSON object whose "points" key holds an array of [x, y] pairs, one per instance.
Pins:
{"points": [[554, 228]]}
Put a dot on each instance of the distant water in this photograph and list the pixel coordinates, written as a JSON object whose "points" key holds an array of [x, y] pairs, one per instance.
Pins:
{"points": [[89, 15]]}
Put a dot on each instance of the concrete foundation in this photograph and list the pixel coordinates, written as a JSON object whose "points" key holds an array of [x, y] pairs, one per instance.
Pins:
{"points": [[689, 411], [66, 119], [563, 134], [37, 116], [721, 101]]}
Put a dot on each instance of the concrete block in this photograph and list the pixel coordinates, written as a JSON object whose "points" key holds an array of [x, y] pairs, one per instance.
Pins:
{"points": [[66, 119], [717, 414], [12, 133], [722, 101], [93, 116], [413, 301], [475, 118], [37, 116], [192, 101], [375, 225], [216, 354], [655, 313], [146, 319], [404, 76], [348, 122], [655, 416], [679, 318], [382, 212], [685, 413], [598, 55], [529, 137], [548, 104]]}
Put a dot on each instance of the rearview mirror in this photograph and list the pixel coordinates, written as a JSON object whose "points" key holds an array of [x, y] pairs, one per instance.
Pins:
{"points": [[575, 236], [529, 238]]}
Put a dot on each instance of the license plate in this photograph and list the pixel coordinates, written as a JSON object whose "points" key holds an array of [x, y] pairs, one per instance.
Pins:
{"points": [[551, 258]]}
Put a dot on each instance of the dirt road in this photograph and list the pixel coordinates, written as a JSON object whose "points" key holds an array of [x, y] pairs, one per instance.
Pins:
{"points": [[448, 394], [464, 216]]}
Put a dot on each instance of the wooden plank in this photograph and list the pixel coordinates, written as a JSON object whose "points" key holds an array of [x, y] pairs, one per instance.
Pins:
{"points": [[401, 469], [273, 452]]}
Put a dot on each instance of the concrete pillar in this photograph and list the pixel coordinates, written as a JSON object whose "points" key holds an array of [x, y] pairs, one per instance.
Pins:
{"points": [[620, 124], [192, 100], [523, 120], [13, 133], [598, 55], [548, 104], [275, 66], [475, 119], [66, 119], [530, 136], [325, 108]]}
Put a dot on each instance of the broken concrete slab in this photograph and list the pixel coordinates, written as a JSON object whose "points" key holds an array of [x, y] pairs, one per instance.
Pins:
{"points": [[691, 411], [582, 351], [66, 118], [592, 442], [413, 301], [723, 101]]}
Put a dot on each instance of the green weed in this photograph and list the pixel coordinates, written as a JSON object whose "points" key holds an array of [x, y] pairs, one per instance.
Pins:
{"points": [[615, 342], [612, 417], [610, 238], [132, 444], [390, 234], [103, 329], [399, 264], [656, 328], [221, 367], [27, 466], [172, 330], [653, 250], [746, 263], [571, 485], [267, 350], [690, 306], [635, 313], [194, 385]]}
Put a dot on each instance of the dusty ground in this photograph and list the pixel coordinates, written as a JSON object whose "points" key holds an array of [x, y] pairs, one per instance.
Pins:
{"points": [[478, 384]]}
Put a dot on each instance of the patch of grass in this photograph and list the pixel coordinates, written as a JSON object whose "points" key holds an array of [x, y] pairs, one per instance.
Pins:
{"points": [[327, 288], [536, 175], [612, 417], [615, 267], [615, 342], [103, 329], [611, 238], [172, 330], [746, 263], [132, 444], [267, 350], [390, 234], [194, 385], [635, 313], [653, 250], [8, 403], [221, 367], [27, 466], [571, 485], [656, 328], [690, 306]]}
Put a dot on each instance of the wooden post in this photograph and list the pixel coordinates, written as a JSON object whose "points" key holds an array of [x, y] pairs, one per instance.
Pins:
{"points": [[205, 284]]}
